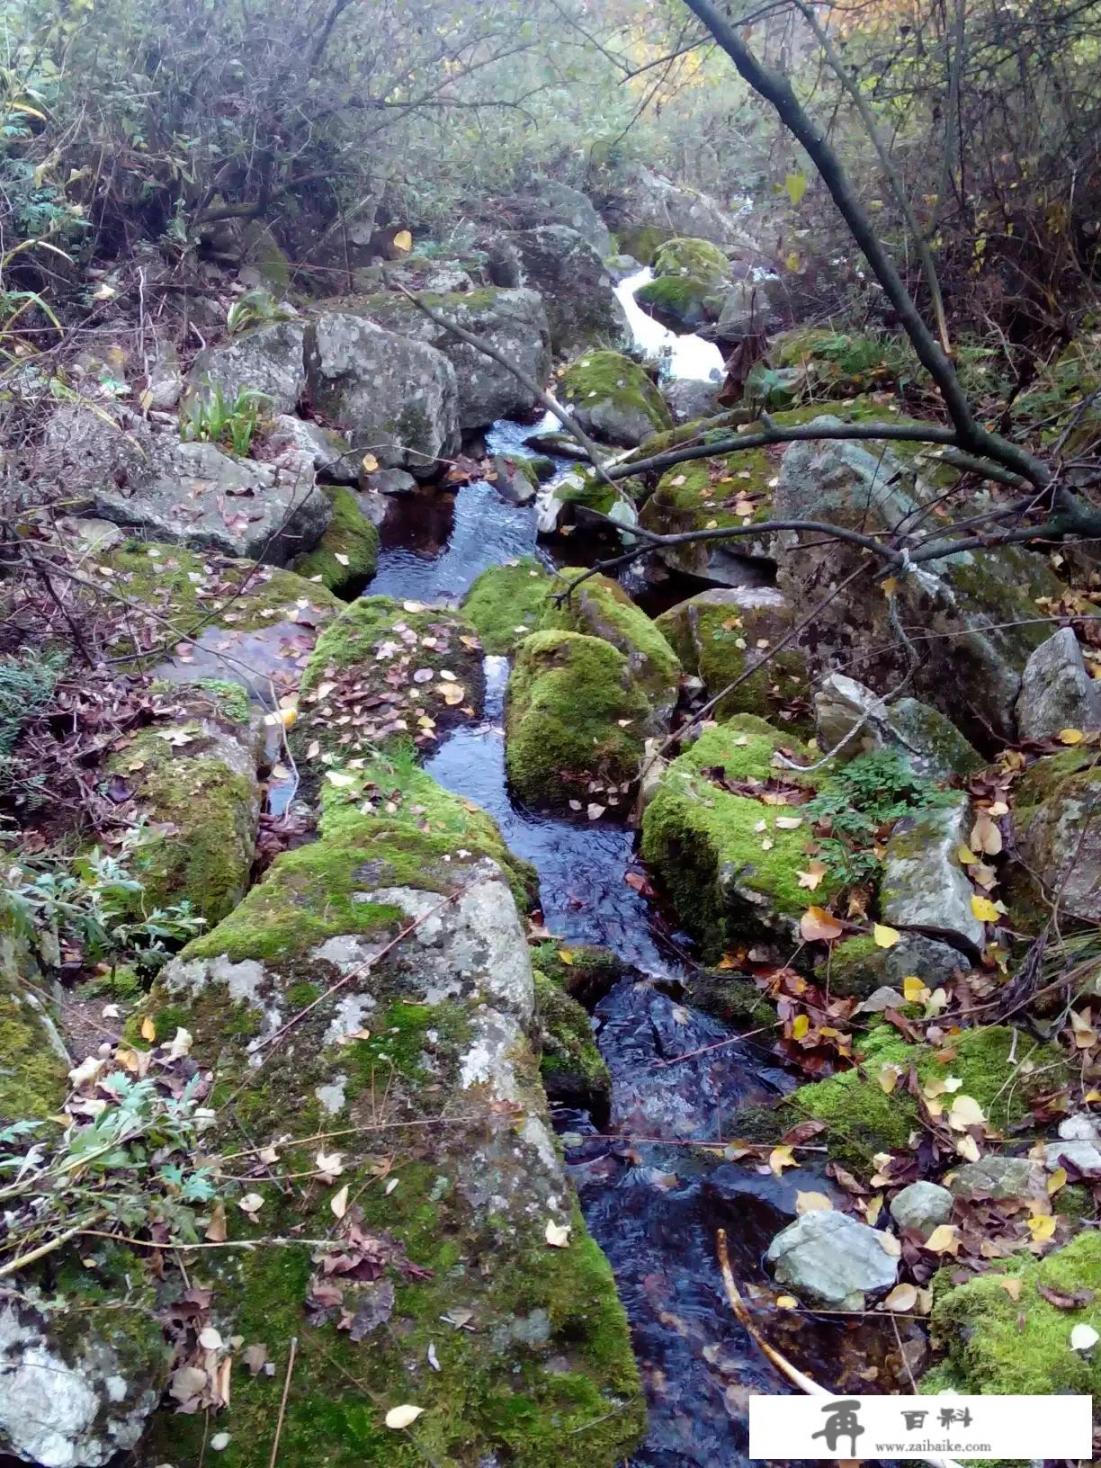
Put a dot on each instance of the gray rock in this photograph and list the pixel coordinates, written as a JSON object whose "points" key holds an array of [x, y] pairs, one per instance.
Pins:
{"points": [[268, 359], [689, 399], [921, 1206], [569, 274], [864, 972], [930, 743], [88, 535], [327, 451], [1079, 1128], [511, 483], [1083, 1156], [549, 202], [924, 886], [651, 199], [513, 321], [79, 1387], [1056, 690], [390, 482], [998, 1177], [164, 382], [746, 309], [1058, 834], [619, 267], [393, 396], [191, 493], [831, 1259]]}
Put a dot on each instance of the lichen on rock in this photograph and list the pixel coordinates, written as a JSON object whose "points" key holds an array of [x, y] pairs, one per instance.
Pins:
{"points": [[613, 398]]}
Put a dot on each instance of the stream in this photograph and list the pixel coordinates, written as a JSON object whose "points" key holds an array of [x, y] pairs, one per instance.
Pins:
{"points": [[652, 1202]]}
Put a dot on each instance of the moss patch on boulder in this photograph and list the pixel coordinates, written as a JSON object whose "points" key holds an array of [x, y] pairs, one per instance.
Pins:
{"points": [[34, 1069], [728, 881], [576, 719], [681, 256], [613, 398], [681, 302], [833, 364], [346, 556], [572, 1068], [996, 1345], [506, 603]]}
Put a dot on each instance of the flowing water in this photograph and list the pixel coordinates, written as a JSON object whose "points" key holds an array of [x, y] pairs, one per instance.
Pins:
{"points": [[651, 1201]]}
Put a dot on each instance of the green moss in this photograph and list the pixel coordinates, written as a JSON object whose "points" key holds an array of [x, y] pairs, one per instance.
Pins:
{"points": [[349, 536], [736, 1001], [585, 972], [726, 883], [601, 608], [641, 241], [699, 258], [599, 381], [202, 810], [33, 1076], [575, 716], [507, 602], [716, 638], [230, 699], [836, 364], [996, 1345], [680, 300], [572, 1068], [863, 1119], [190, 591]]}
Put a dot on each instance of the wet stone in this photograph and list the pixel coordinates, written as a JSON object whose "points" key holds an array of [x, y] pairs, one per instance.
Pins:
{"points": [[831, 1259]]}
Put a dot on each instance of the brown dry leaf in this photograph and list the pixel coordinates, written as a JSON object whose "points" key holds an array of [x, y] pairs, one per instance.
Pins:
{"points": [[817, 925], [985, 836], [148, 1030], [1009, 1283], [452, 693], [216, 1228]]}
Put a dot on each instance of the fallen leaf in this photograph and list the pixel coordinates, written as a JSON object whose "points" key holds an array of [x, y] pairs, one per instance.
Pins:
{"points": [[338, 1203], [368, 463], [251, 1203], [985, 836], [812, 875], [984, 909], [1056, 1181], [945, 1239], [913, 990], [885, 937], [786, 1302], [812, 1203], [1042, 1227], [1071, 736], [148, 1029], [403, 1416], [799, 1026], [965, 1111], [557, 1235], [210, 1339], [781, 1157], [216, 1228], [817, 925], [1083, 1338], [1009, 1283], [329, 1164], [903, 1298]]}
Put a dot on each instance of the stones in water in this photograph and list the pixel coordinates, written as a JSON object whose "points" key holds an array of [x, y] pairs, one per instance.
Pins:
{"points": [[689, 278], [396, 397], [831, 1259], [507, 603], [859, 967], [346, 556], [920, 1207], [1056, 690], [689, 398], [267, 360], [613, 398]]}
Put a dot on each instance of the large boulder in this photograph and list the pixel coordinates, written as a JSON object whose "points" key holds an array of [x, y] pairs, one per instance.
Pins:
{"points": [[1058, 835], [193, 778], [395, 397], [613, 398], [346, 556], [647, 199], [851, 720], [833, 1259], [513, 321], [719, 634], [466, 1284], [1056, 690], [546, 201], [193, 493], [576, 288], [33, 1074], [976, 610], [267, 360], [576, 721], [924, 887], [690, 276], [507, 602]]}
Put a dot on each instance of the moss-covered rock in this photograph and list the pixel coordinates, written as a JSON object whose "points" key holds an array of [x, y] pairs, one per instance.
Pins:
{"points": [[856, 967], [506, 603], [816, 362], [1055, 821], [571, 1066], [613, 398], [730, 871], [386, 672], [681, 302], [420, 1063], [862, 1118], [346, 556], [34, 1068], [997, 1344], [181, 593], [641, 241], [681, 256], [576, 719], [582, 970], [719, 634], [195, 782], [601, 608]]}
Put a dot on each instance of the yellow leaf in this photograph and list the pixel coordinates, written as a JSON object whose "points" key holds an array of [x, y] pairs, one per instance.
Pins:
{"points": [[566, 955], [781, 1157], [148, 1029], [786, 1302], [965, 1111], [403, 1416], [889, 585], [1056, 1181], [368, 463], [799, 1026], [1071, 736], [965, 856], [1042, 1227], [872, 1209], [885, 937], [792, 260], [812, 876], [903, 1297], [795, 186], [888, 1077], [913, 990], [403, 240], [984, 909], [812, 1203], [943, 1240], [818, 925], [1009, 1283]]}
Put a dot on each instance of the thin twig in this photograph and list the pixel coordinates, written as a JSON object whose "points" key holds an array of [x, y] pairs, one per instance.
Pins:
{"points": [[283, 1402]]}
